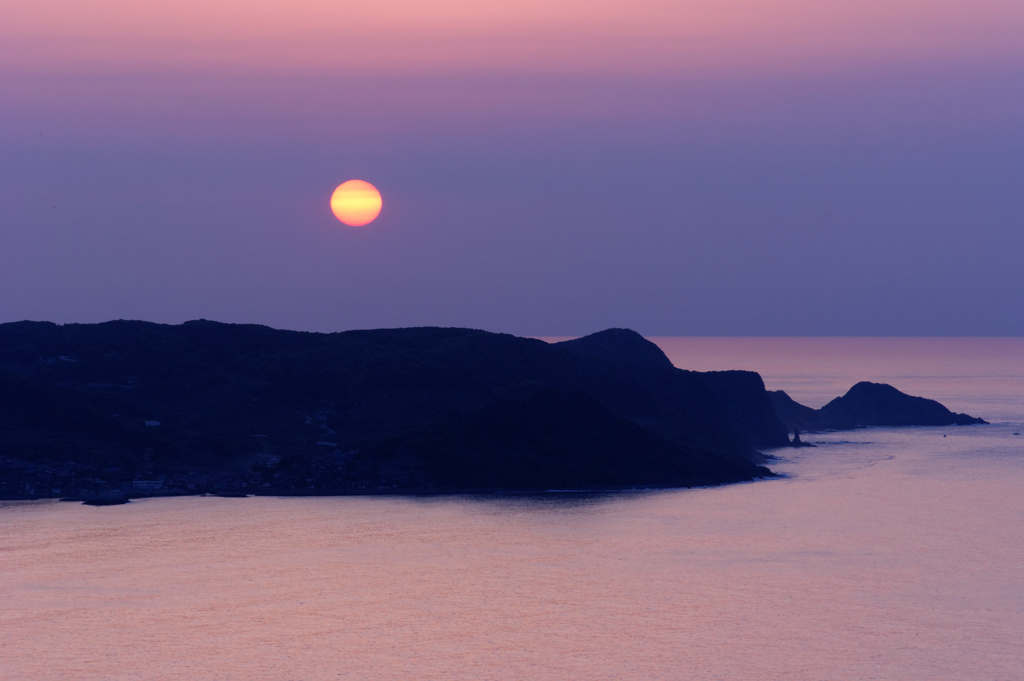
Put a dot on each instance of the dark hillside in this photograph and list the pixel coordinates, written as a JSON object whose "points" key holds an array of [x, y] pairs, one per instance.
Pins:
{"points": [[878, 404], [426, 409], [623, 346], [867, 404]]}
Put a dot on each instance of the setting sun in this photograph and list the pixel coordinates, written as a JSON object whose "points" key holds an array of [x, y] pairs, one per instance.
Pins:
{"points": [[356, 203]]}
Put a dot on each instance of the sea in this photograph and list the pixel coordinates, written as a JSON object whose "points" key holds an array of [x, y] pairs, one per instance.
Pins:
{"points": [[881, 553]]}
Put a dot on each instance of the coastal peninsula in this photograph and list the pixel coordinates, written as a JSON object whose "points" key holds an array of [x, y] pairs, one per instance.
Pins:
{"points": [[128, 408]]}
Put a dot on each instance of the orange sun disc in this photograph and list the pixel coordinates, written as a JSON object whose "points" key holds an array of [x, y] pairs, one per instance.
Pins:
{"points": [[356, 203]]}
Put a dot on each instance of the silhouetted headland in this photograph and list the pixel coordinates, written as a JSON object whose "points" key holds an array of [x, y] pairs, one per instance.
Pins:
{"points": [[106, 411], [867, 404]]}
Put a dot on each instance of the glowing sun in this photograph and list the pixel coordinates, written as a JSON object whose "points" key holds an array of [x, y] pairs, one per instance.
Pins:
{"points": [[356, 203]]}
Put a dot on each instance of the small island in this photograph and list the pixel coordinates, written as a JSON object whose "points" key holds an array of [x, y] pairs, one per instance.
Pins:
{"points": [[867, 404], [124, 409]]}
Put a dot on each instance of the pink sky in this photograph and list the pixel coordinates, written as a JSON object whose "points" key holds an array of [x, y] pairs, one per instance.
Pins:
{"points": [[551, 36]]}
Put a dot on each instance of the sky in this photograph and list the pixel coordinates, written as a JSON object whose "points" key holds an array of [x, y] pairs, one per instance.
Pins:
{"points": [[705, 167]]}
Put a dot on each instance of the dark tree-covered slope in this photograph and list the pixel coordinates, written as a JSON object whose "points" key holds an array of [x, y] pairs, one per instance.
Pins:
{"points": [[424, 409]]}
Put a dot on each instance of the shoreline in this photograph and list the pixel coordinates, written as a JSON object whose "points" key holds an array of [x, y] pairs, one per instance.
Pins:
{"points": [[481, 492]]}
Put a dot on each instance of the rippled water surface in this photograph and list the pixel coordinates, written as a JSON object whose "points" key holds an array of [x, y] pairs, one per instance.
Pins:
{"points": [[884, 554]]}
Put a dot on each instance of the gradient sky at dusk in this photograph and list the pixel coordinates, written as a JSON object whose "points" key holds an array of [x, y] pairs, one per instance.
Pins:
{"points": [[729, 167]]}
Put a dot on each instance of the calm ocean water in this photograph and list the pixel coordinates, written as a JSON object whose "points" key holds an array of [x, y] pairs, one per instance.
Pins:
{"points": [[884, 554]]}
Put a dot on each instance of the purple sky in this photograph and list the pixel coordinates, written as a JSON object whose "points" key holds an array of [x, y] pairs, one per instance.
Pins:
{"points": [[863, 191]]}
